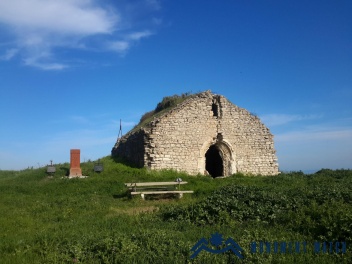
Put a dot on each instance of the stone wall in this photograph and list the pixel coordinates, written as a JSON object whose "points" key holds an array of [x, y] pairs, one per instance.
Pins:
{"points": [[180, 139], [131, 147]]}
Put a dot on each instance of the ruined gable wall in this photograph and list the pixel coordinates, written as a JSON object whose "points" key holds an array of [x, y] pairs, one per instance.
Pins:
{"points": [[176, 138], [252, 142], [131, 147], [180, 138]]}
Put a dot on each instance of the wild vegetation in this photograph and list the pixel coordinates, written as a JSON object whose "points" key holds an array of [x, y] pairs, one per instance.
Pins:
{"points": [[167, 103], [59, 220]]}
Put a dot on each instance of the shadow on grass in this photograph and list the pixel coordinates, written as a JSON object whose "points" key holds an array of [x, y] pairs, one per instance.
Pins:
{"points": [[165, 196], [125, 162], [121, 195]]}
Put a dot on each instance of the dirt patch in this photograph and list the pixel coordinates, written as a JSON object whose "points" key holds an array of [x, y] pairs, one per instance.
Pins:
{"points": [[134, 210]]}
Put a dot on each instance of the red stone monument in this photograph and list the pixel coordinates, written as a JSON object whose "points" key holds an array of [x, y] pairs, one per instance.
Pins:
{"points": [[75, 163]]}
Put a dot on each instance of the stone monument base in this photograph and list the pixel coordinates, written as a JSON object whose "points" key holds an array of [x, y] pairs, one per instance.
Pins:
{"points": [[77, 177], [75, 172]]}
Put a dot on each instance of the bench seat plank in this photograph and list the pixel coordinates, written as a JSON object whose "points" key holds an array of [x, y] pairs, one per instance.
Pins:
{"points": [[139, 184], [159, 192], [179, 193], [144, 188]]}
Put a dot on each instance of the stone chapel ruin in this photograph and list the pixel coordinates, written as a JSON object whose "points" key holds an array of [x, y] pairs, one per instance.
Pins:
{"points": [[203, 134]]}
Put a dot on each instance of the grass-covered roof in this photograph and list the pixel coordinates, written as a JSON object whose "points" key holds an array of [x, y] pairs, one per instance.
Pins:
{"points": [[166, 104]]}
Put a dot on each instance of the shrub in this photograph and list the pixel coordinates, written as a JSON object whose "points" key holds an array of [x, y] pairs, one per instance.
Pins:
{"points": [[170, 101], [146, 116]]}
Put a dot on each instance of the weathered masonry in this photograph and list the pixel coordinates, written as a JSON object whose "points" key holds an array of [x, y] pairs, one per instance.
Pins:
{"points": [[203, 134]]}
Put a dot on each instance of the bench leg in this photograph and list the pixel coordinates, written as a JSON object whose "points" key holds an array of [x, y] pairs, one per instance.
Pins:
{"points": [[180, 195], [142, 195]]}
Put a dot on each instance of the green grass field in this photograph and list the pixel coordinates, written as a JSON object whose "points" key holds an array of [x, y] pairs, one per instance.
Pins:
{"points": [[58, 220]]}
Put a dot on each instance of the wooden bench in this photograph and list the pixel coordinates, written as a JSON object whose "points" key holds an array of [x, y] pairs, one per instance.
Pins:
{"points": [[144, 188]]}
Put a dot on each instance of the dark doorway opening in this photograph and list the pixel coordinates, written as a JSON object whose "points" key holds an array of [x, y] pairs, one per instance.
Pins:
{"points": [[213, 162]]}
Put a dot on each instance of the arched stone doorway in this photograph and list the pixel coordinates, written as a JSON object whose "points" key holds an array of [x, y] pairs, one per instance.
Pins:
{"points": [[213, 162], [217, 158], [217, 147]]}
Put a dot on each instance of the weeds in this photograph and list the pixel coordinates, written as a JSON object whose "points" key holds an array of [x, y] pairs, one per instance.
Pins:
{"points": [[57, 220]]}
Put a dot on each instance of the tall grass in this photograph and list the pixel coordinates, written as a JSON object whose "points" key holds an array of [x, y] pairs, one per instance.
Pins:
{"points": [[59, 220]]}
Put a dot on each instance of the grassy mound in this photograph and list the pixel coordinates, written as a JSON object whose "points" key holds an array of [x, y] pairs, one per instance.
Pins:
{"points": [[56, 220], [162, 107]]}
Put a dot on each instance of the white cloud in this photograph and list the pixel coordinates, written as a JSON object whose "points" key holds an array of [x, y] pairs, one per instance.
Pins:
{"points": [[60, 17], [123, 45], [314, 148], [43, 65], [42, 58], [119, 46], [310, 135], [40, 27], [9, 54], [282, 119], [139, 35]]}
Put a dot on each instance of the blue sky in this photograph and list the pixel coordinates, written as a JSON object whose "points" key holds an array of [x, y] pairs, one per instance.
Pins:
{"points": [[71, 69]]}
